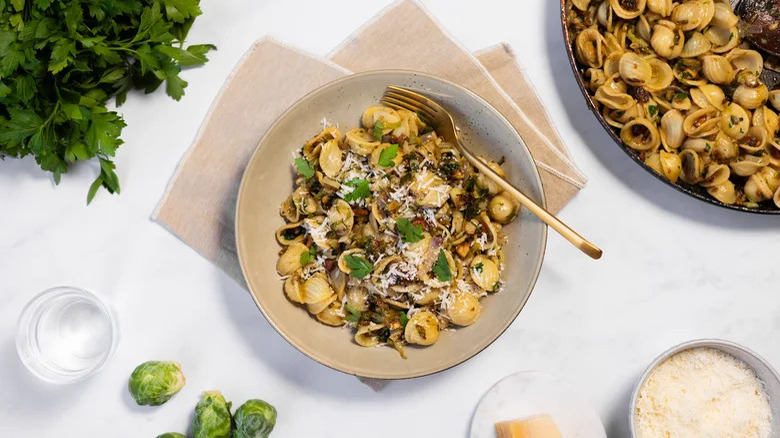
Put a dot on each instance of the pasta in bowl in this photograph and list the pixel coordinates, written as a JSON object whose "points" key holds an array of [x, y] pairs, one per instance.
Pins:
{"points": [[272, 176], [391, 232], [678, 87]]}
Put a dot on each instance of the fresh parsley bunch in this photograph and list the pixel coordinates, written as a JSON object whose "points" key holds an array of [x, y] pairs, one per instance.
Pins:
{"points": [[60, 62]]}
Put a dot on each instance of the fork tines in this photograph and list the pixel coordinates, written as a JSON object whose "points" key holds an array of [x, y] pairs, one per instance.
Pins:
{"points": [[401, 98]]}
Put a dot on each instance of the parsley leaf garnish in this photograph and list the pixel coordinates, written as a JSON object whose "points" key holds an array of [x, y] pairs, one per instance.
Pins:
{"points": [[442, 269], [360, 189], [379, 128], [478, 267], [62, 61], [309, 256], [358, 266], [410, 233], [653, 110], [387, 156], [403, 318], [304, 168], [354, 314]]}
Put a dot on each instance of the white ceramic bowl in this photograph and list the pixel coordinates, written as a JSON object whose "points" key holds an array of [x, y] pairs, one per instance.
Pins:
{"points": [[763, 369]]}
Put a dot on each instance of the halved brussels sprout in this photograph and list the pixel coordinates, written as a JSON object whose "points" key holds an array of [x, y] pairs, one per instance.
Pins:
{"points": [[172, 435], [154, 383]]}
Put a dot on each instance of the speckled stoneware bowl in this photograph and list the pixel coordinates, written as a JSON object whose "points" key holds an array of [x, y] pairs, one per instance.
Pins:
{"points": [[269, 179], [763, 369], [695, 191]]}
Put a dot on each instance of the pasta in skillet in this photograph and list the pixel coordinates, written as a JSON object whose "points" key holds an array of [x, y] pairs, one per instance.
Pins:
{"points": [[391, 232], [684, 90]]}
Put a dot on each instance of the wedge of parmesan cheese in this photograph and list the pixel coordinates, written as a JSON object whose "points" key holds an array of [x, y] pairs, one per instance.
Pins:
{"points": [[541, 426]]}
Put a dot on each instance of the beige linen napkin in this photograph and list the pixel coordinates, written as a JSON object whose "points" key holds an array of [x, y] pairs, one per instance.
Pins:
{"points": [[199, 204]]}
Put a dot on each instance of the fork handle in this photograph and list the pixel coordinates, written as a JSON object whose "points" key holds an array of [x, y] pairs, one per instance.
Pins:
{"points": [[572, 236]]}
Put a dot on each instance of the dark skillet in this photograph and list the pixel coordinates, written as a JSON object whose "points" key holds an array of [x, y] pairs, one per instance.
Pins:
{"points": [[760, 26]]}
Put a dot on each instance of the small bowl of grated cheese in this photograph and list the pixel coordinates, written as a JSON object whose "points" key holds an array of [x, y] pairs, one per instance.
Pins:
{"points": [[705, 389]]}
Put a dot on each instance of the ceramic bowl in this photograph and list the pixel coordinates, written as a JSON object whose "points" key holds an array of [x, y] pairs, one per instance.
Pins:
{"points": [[763, 369], [269, 179]]}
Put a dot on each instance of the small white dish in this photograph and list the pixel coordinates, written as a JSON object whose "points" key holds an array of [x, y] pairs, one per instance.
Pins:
{"points": [[530, 393]]}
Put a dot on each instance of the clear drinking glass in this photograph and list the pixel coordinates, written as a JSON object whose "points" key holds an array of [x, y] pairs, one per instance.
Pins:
{"points": [[65, 335]]}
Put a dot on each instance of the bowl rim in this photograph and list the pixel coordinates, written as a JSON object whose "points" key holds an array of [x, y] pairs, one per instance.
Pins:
{"points": [[696, 343], [688, 189], [534, 177]]}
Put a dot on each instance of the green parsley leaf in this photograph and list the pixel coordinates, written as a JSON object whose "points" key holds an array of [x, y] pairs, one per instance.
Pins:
{"points": [[379, 128], [309, 256], [442, 269], [360, 189], [304, 168], [354, 314], [387, 156], [403, 318], [653, 110], [478, 267], [358, 266], [60, 63], [410, 233]]}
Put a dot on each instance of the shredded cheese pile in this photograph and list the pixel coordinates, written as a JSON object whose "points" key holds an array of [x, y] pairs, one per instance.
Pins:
{"points": [[703, 393]]}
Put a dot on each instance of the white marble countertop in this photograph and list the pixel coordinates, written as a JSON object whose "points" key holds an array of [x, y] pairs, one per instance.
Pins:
{"points": [[674, 268]]}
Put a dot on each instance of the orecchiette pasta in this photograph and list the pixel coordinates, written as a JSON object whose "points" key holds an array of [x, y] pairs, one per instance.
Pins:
{"points": [[392, 233], [685, 92]]}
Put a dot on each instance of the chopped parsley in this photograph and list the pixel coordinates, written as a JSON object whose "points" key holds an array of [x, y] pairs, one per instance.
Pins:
{"points": [[360, 189], [358, 266], [653, 110], [478, 267], [708, 147], [680, 95], [308, 256], [379, 129], [380, 126], [410, 233], [354, 314], [387, 156], [304, 168], [403, 318], [442, 269]]}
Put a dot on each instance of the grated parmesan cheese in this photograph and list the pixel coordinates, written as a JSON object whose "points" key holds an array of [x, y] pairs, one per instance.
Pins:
{"points": [[319, 233], [703, 393]]}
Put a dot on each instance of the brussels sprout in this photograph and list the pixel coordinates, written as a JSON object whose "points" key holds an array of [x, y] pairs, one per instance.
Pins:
{"points": [[171, 435], [212, 416], [154, 383], [254, 419]]}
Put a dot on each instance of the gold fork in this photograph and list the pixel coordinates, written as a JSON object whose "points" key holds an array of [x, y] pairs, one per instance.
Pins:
{"points": [[404, 98]]}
